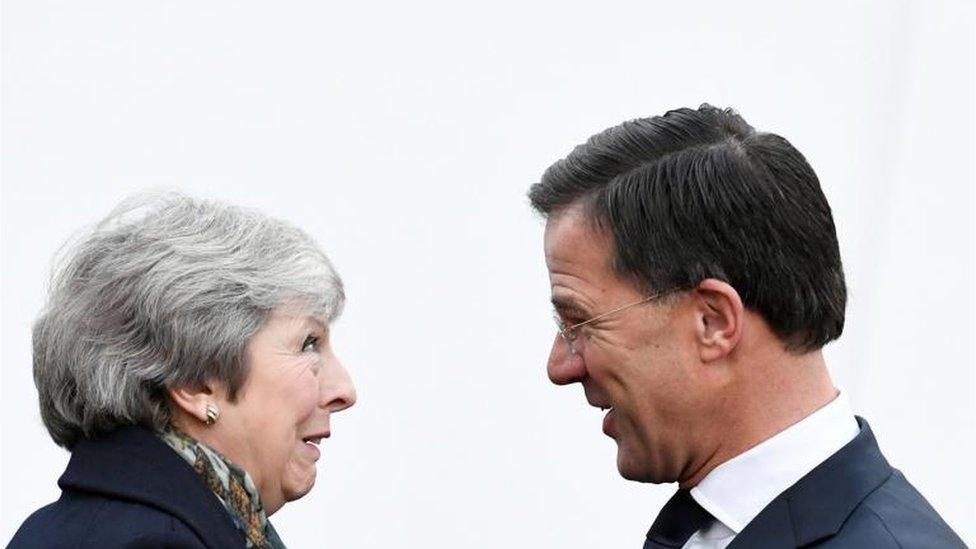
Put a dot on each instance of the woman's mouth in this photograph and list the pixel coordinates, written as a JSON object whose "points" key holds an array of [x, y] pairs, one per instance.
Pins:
{"points": [[311, 443]]}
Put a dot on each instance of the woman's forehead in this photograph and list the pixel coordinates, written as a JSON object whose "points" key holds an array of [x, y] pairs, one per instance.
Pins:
{"points": [[298, 317]]}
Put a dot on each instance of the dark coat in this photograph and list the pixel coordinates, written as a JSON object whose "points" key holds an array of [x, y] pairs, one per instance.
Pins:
{"points": [[855, 500], [129, 489]]}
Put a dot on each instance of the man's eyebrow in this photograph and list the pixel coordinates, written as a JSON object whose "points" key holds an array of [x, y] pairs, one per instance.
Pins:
{"points": [[568, 305]]}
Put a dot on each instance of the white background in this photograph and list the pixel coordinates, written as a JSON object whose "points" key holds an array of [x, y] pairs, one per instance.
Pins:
{"points": [[403, 136]]}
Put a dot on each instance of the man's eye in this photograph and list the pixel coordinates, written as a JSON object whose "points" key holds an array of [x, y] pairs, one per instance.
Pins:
{"points": [[568, 321], [311, 344]]}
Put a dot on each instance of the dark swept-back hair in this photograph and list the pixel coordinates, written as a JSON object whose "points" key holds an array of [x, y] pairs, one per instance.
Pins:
{"points": [[698, 194]]}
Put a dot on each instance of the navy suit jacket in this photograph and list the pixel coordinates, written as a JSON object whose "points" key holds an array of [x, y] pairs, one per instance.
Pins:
{"points": [[854, 499], [129, 489]]}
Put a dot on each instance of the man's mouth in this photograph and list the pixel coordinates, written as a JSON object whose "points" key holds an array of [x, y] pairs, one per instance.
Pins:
{"points": [[608, 428], [601, 405]]}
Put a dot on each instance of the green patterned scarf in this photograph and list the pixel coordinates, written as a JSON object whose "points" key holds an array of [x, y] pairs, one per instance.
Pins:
{"points": [[232, 486]]}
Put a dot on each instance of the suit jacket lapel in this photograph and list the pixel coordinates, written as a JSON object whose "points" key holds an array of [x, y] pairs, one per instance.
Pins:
{"points": [[131, 463], [818, 504], [771, 529]]}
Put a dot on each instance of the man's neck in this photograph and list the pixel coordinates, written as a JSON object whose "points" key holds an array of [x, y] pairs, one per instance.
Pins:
{"points": [[771, 394]]}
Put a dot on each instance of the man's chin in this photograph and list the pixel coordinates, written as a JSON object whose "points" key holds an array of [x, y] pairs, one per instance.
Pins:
{"points": [[631, 468], [625, 466]]}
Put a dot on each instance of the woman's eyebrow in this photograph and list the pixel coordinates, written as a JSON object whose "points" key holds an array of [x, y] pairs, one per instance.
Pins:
{"points": [[316, 323]]}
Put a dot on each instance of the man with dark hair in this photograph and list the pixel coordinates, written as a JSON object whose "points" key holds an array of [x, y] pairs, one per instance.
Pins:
{"points": [[696, 275]]}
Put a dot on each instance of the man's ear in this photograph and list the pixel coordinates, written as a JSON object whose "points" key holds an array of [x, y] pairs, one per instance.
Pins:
{"points": [[193, 400], [720, 317]]}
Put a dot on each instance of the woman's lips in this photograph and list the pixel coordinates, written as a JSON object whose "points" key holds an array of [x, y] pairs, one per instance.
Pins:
{"points": [[310, 447]]}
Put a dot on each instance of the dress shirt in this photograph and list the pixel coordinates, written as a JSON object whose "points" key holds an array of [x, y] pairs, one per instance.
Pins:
{"points": [[737, 490]]}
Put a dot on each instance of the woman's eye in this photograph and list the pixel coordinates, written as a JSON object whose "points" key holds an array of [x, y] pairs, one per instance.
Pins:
{"points": [[311, 343]]}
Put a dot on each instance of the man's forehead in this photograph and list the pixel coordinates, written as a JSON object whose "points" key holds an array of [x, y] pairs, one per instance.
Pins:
{"points": [[572, 238], [579, 259]]}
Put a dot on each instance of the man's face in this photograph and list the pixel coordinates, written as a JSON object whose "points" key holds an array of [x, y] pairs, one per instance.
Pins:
{"points": [[642, 363]]}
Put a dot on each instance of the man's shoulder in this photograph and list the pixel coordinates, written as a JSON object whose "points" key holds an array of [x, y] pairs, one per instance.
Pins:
{"points": [[894, 515], [82, 520], [853, 499]]}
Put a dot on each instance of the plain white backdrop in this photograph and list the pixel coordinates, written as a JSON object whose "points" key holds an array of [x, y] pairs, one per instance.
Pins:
{"points": [[403, 136]]}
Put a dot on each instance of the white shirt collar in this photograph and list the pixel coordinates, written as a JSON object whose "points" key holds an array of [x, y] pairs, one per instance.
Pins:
{"points": [[737, 490]]}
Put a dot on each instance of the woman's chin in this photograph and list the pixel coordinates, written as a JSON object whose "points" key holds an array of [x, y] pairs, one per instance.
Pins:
{"points": [[301, 482]]}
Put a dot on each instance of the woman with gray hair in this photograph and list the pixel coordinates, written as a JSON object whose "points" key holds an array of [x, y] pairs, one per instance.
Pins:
{"points": [[183, 358]]}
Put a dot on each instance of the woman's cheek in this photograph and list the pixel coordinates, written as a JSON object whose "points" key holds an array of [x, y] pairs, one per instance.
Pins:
{"points": [[309, 392]]}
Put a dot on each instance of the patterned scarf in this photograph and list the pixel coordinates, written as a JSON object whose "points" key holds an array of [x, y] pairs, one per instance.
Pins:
{"points": [[232, 486]]}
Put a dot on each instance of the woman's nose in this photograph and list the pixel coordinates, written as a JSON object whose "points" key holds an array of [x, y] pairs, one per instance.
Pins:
{"points": [[338, 391]]}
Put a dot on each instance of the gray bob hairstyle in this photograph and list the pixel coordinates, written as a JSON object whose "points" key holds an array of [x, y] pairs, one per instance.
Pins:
{"points": [[165, 292]]}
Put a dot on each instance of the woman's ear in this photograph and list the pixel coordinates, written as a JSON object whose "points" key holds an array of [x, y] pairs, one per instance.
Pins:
{"points": [[198, 402], [720, 319]]}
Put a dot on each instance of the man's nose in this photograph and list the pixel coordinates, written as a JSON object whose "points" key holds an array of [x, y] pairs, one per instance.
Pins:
{"points": [[564, 366]]}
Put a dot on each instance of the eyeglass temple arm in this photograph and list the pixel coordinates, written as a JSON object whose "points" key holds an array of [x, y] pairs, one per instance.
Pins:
{"points": [[621, 308]]}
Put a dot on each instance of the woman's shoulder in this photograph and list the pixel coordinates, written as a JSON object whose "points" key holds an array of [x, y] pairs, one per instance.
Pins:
{"points": [[129, 489], [80, 520]]}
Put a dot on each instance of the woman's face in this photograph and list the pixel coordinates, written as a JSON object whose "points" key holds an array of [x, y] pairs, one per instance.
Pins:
{"points": [[281, 414]]}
